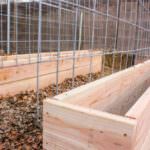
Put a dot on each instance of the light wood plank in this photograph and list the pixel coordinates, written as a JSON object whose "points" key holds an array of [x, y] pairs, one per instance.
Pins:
{"points": [[141, 112], [72, 127], [21, 78], [115, 93]]}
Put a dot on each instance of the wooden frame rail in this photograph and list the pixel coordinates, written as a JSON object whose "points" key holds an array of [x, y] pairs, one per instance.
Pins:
{"points": [[14, 79], [102, 115]]}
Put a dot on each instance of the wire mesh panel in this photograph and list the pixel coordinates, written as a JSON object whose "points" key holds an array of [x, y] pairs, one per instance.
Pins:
{"points": [[44, 42], [110, 26]]}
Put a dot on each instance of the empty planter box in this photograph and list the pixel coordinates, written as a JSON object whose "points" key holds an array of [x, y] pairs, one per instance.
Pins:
{"points": [[112, 113]]}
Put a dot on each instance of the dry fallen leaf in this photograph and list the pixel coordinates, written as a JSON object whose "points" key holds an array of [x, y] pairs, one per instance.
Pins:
{"points": [[18, 128]]}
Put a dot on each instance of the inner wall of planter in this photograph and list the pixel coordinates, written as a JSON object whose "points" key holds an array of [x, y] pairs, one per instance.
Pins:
{"points": [[123, 105]]}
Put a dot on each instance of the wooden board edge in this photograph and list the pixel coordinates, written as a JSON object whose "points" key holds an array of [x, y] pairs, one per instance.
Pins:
{"points": [[139, 107], [66, 126], [66, 96], [113, 123], [146, 144], [10, 61], [141, 113]]}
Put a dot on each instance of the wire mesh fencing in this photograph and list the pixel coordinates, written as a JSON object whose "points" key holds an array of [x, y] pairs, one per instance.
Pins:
{"points": [[40, 31]]}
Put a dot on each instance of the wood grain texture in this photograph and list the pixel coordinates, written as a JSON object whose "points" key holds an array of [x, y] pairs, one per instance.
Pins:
{"points": [[141, 112], [71, 127], [115, 93], [21, 78], [10, 60], [146, 143], [71, 121]]}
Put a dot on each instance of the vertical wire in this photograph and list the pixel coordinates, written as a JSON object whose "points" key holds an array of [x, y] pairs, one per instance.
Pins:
{"points": [[16, 15], [49, 31], [105, 42], [138, 33], [147, 27], [148, 57], [75, 44], [143, 38], [59, 44], [129, 43], [26, 22], [128, 35], [116, 36], [132, 56], [131, 49], [41, 50], [38, 59], [8, 26], [93, 35], [29, 38], [33, 32], [143, 33], [1, 31], [80, 30], [144, 53], [123, 40], [147, 52]]}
